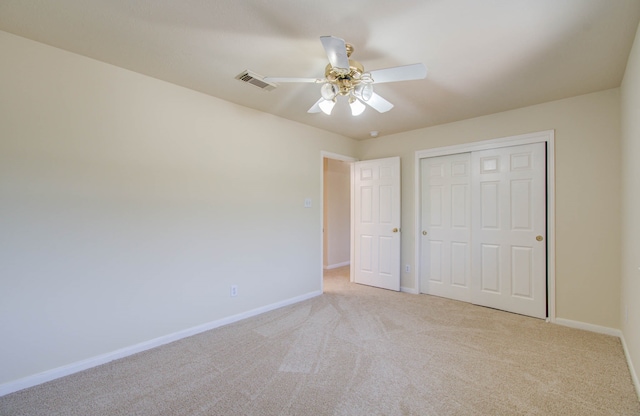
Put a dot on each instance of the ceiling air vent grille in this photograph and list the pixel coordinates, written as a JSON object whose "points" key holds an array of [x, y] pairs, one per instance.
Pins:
{"points": [[255, 80]]}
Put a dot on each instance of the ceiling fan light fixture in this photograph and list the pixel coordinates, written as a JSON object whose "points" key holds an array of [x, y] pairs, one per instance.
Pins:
{"points": [[357, 107], [327, 105], [346, 77], [329, 91]]}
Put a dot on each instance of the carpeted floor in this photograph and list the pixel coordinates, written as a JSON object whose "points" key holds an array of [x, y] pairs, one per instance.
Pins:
{"points": [[357, 350]]}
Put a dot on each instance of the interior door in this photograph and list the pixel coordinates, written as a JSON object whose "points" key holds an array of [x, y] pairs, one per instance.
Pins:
{"points": [[377, 223], [446, 226], [509, 229]]}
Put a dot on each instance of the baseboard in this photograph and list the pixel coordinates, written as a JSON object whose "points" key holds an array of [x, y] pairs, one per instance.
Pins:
{"points": [[409, 290], [588, 327], [632, 370], [335, 266], [82, 365]]}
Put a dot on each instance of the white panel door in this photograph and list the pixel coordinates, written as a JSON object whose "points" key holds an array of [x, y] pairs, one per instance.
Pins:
{"points": [[509, 229], [446, 226], [377, 223]]}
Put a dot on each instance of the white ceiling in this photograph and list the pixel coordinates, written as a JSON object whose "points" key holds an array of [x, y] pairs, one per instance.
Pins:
{"points": [[483, 56]]}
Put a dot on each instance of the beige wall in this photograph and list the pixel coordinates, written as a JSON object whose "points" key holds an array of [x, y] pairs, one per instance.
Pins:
{"points": [[337, 231], [128, 206], [630, 98], [587, 131]]}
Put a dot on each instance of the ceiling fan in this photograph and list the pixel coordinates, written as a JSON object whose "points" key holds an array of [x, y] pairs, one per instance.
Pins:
{"points": [[346, 77]]}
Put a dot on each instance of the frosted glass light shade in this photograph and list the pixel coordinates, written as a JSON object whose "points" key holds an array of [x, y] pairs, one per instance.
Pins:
{"points": [[363, 91], [357, 107], [328, 91], [327, 105]]}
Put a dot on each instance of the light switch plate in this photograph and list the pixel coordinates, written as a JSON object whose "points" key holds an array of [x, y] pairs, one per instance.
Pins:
{"points": [[307, 203]]}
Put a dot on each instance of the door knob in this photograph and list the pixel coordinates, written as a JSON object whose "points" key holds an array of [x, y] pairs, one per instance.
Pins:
{"points": [[539, 238], [424, 233], [395, 230]]}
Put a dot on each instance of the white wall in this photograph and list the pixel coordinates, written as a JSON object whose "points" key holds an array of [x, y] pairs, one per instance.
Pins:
{"points": [[337, 231], [128, 206], [630, 299], [587, 192]]}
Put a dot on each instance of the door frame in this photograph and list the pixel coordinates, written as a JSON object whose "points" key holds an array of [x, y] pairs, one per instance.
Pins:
{"points": [[547, 137], [336, 156]]}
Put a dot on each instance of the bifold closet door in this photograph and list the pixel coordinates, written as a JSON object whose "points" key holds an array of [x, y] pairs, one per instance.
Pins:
{"points": [[509, 229], [446, 226]]}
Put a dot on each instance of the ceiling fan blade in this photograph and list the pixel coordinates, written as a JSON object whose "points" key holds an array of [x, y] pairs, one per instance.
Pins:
{"points": [[379, 104], [316, 107], [336, 52], [291, 79], [399, 73]]}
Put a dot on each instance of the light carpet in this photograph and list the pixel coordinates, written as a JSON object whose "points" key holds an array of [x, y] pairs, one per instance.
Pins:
{"points": [[357, 350]]}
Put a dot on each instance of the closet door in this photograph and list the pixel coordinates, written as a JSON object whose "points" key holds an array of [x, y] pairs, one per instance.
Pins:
{"points": [[509, 229], [446, 226]]}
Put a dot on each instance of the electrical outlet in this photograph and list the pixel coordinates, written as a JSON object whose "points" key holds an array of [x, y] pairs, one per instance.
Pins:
{"points": [[407, 268], [234, 290]]}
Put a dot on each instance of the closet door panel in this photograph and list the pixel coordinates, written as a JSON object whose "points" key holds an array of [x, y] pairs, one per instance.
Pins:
{"points": [[446, 222], [509, 228]]}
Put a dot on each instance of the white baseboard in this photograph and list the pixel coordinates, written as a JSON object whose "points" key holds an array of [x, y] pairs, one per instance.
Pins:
{"points": [[335, 266], [78, 366], [409, 290], [588, 327], [632, 370]]}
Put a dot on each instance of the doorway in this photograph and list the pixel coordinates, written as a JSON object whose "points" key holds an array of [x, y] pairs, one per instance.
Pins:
{"points": [[336, 211]]}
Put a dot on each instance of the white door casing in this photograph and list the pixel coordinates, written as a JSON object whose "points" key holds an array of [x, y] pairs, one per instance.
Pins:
{"points": [[446, 226], [509, 229], [376, 189]]}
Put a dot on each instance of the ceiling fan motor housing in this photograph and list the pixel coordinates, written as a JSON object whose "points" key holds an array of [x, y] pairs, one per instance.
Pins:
{"points": [[345, 81]]}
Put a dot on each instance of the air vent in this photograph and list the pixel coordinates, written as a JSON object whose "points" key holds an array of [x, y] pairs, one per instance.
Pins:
{"points": [[255, 80]]}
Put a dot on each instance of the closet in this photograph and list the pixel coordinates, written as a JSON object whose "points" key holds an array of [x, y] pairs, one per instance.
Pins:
{"points": [[483, 236]]}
